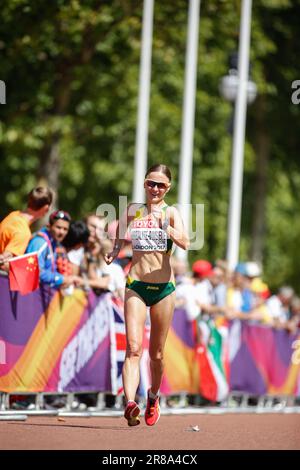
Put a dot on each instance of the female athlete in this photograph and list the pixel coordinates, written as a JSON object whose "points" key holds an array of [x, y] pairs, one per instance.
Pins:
{"points": [[153, 228]]}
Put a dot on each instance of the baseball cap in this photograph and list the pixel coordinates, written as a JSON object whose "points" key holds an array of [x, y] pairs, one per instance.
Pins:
{"points": [[202, 268], [253, 269], [241, 269]]}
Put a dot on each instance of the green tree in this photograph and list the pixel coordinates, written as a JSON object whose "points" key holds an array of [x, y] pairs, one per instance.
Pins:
{"points": [[71, 71]]}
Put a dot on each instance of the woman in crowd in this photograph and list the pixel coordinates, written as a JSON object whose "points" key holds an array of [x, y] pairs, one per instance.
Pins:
{"points": [[103, 277]]}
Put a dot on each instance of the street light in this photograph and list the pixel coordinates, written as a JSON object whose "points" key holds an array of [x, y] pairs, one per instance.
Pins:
{"points": [[245, 93], [229, 83], [188, 118]]}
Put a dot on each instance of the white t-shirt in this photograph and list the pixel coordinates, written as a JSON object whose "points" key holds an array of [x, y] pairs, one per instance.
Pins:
{"points": [[236, 300], [188, 293], [76, 256], [276, 309], [205, 292], [116, 273]]}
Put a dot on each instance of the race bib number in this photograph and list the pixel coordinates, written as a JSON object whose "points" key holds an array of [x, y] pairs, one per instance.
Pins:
{"points": [[148, 239]]}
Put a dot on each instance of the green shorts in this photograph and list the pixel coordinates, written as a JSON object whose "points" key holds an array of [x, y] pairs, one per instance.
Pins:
{"points": [[150, 292]]}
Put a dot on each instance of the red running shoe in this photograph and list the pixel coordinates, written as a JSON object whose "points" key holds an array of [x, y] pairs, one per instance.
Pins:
{"points": [[152, 413], [132, 413]]}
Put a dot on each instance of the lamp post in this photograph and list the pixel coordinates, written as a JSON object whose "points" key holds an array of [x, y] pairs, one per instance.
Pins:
{"points": [[229, 90], [229, 83], [141, 144], [241, 91], [188, 119]]}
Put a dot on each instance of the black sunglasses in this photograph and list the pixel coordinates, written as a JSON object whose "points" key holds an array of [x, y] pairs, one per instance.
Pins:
{"points": [[152, 184]]}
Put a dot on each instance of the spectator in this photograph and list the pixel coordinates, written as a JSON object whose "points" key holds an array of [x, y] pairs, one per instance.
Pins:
{"points": [[240, 298], [46, 242], [202, 269], [279, 305], [207, 280], [253, 269], [260, 311], [293, 324], [14, 229], [96, 225], [99, 272], [218, 281], [243, 281], [203, 273], [186, 293], [223, 265], [75, 242], [180, 269]]}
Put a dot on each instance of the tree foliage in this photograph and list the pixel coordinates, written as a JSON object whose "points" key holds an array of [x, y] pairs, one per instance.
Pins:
{"points": [[71, 71]]}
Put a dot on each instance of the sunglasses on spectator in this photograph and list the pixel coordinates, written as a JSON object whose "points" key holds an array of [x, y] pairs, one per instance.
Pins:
{"points": [[152, 184], [60, 215]]}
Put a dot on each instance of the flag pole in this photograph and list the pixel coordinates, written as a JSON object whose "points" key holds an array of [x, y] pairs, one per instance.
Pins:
{"points": [[15, 258]]}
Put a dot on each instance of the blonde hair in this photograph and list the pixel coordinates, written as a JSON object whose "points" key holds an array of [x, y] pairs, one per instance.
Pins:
{"points": [[160, 169]]}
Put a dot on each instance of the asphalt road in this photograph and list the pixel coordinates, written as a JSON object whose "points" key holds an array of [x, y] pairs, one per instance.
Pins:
{"points": [[232, 432]]}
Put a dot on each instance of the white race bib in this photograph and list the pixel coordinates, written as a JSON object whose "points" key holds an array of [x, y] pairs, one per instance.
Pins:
{"points": [[146, 235], [149, 239]]}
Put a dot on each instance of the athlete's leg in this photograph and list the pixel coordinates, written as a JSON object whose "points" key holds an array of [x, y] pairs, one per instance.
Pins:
{"points": [[135, 317], [161, 318]]}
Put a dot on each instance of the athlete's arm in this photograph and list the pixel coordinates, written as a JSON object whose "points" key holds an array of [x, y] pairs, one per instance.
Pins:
{"points": [[176, 230]]}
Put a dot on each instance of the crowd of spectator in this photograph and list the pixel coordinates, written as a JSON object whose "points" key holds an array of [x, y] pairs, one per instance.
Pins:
{"points": [[71, 254], [213, 291]]}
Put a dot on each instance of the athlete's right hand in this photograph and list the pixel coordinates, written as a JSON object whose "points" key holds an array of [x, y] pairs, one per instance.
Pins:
{"points": [[158, 215], [109, 257]]}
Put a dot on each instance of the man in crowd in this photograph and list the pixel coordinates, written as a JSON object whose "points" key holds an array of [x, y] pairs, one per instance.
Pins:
{"points": [[279, 305], [14, 229], [46, 242], [206, 280]]}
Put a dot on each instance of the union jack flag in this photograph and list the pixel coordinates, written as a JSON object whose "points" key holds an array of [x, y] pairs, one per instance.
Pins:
{"points": [[118, 345], [118, 350]]}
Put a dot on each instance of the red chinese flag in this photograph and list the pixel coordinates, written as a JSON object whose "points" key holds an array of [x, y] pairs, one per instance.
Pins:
{"points": [[24, 273]]}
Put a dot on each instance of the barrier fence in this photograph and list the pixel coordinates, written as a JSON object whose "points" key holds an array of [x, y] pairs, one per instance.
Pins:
{"points": [[55, 343]]}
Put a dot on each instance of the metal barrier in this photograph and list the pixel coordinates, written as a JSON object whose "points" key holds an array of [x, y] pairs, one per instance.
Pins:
{"points": [[11, 417], [236, 402]]}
